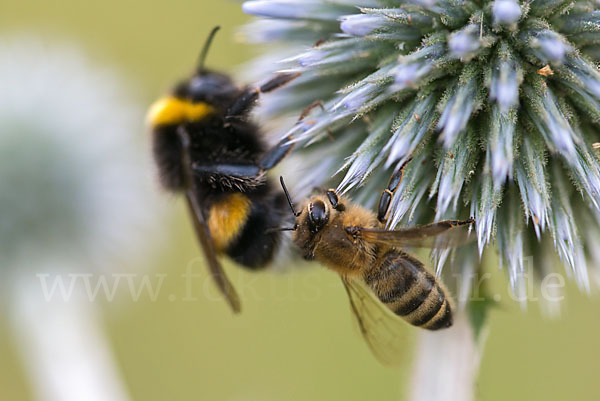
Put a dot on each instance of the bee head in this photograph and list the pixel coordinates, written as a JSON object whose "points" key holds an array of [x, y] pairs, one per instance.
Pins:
{"points": [[319, 209], [205, 85], [318, 214], [200, 96], [208, 87]]}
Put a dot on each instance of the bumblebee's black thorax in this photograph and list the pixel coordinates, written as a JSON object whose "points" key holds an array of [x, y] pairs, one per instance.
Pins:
{"points": [[213, 141]]}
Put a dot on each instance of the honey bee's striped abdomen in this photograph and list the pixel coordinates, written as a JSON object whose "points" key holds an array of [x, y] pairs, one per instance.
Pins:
{"points": [[410, 291]]}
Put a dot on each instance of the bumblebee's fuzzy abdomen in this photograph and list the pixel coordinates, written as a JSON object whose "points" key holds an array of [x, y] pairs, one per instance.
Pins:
{"points": [[226, 219], [255, 246], [410, 291]]}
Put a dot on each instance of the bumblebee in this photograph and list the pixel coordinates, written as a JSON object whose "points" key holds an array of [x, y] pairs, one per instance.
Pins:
{"points": [[384, 284], [206, 147]]}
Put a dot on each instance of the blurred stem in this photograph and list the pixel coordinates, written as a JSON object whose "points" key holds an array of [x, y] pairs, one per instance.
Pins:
{"points": [[66, 354], [447, 363]]}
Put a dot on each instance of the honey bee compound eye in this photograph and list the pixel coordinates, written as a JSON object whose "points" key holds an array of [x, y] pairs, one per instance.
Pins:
{"points": [[317, 215]]}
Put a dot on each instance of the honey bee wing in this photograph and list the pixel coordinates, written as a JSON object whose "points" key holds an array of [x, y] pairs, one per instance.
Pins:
{"points": [[443, 234], [384, 332], [216, 270]]}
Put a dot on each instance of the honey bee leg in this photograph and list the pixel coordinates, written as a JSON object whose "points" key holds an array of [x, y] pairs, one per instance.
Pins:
{"points": [[386, 196], [444, 225], [276, 154], [244, 103]]}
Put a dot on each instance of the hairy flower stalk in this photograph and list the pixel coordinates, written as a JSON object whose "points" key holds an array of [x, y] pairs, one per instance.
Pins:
{"points": [[497, 103]]}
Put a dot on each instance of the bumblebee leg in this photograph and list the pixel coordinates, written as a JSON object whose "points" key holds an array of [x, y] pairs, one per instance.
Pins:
{"points": [[244, 103], [277, 82], [313, 105], [202, 231], [207, 244], [284, 147], [276, 154], [224, 169], [268, 161], [386, 196]]}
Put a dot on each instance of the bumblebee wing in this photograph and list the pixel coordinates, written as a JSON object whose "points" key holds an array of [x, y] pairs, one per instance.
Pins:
{"points": [[383, 331], [216, 270], [443, 234]]}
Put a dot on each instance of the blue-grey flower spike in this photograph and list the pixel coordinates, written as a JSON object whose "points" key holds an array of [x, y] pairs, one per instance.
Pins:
{"points": [[506, 12], [293, 9], [497, 102], [464, 43], [361, 24]]}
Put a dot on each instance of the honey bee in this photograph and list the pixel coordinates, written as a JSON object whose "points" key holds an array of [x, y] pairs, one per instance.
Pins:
{"points": [[383, 282], [206, 148]]}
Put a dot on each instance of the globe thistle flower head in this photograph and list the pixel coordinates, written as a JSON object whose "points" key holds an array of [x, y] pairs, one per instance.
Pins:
{"points": [[74, 181], [75, 201], [496, 104]]}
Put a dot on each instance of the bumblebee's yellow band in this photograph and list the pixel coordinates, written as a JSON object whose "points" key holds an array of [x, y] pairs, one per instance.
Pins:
{"points": [[171, 110], [227, 218]]}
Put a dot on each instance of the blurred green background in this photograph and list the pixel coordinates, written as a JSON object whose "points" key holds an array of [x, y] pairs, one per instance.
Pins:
{"points": [[295, 339]]}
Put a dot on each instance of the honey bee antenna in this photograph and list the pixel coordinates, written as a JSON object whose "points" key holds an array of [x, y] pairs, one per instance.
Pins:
{"points": [[206, 47], [287, 195]]}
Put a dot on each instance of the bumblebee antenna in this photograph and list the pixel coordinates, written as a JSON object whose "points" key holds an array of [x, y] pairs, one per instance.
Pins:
{"points": [[206, 47], [287, 195]]}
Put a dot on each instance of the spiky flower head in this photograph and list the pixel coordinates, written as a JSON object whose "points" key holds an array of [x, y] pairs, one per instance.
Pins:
{"points": [[497, 102]]}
